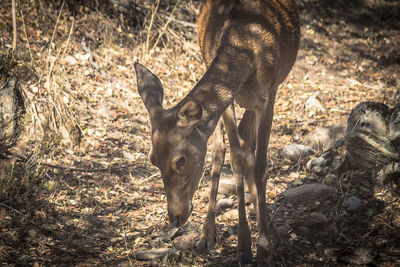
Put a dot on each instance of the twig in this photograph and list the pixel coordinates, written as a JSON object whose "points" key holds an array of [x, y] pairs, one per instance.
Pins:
{"points": [[140, 9], [308, 122], [14, 19], [11, 208], [71, 30], [92, 61], [153, 13], [165, 25], [149, 177], [126, 246], [113, 168], [26, 35], [181, 22], [54, 31]]}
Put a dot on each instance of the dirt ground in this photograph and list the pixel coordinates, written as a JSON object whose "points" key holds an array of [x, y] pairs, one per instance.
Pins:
{"points": [[87, 119]]}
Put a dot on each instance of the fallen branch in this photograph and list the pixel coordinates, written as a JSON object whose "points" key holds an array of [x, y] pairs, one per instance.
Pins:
{"points": [[11, 208]]}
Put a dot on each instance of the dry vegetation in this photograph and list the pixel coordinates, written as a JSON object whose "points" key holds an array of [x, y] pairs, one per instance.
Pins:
{"points": [[77, 189]]}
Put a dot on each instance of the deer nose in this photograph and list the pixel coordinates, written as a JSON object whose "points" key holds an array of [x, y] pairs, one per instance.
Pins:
{"points": [[175, 221], [180, 219]]}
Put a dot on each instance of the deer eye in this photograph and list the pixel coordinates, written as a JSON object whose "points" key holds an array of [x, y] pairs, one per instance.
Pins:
{"points": [[178, 163]]}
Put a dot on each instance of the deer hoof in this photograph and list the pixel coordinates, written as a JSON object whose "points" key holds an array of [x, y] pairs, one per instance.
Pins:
{"points": [[205, 244], [264, 255], [244, 257], [207, 237]]}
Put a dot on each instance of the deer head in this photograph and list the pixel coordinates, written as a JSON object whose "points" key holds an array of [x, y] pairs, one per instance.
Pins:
{"points": [[178, 145]]}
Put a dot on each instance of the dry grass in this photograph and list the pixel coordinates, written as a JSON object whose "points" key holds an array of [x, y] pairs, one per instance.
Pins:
{"points": [[68, 93]]}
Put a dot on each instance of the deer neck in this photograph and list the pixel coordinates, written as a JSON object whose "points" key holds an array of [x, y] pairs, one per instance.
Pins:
{"points": [[218, 88]]}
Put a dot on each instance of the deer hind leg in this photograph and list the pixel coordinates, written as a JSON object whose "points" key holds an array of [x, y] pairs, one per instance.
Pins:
{"points": [[207, 238], [247, 133], [244, 254], [264, 130]]}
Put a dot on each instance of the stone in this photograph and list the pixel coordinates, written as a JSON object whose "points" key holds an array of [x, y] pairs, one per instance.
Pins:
{"points": [[185, 242], [227, 185], [303, 230], [318, 166], [308, 192], [231, 215], [352, 203], [296, 152], [318, 218], [326, 137], [283, 231], [329, 179], [168, 235], [155, 253], [314, 106], [224, 203]]}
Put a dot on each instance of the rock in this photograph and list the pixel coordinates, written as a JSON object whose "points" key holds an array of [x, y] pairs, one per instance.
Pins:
{"points": [[168, 235], [231, 215], [283, 231], [330, 179], [185, 242], [295, 152], [318, 218], [155, 253], [308, 192], [324, 138], [314, 221], [318, 166], [227, 185], [303, 230], [128, 156], [70, 60], [297, 181], [224, 203], [352, 203], [313, 106]]}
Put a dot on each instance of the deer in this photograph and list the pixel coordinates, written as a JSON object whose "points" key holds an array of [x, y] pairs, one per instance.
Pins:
{"points": [[249, 48]]}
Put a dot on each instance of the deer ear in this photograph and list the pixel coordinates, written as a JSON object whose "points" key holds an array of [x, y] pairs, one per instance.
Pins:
{"points": [[149, 87], [189, 114]]}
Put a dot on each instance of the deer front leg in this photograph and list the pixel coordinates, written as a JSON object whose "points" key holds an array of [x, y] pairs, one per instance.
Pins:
{"points": [[207, 238], [244, 254]]}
